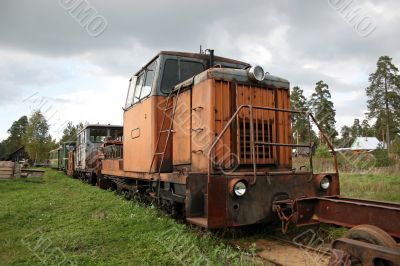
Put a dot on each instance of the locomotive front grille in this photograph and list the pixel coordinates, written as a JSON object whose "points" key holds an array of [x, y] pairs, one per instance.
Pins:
{"points": [[234, 147], [262, 133]]}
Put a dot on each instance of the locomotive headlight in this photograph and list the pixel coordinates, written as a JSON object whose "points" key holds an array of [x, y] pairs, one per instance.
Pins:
{"points": [[256, 73], [239, 189], [325, 183]]}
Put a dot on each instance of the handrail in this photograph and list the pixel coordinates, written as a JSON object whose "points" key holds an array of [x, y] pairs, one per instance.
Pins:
{"points": [[253, 143], [219, 137]]}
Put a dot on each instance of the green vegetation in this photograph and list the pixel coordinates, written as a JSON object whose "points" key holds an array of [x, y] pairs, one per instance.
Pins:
{"points": [[323, 151], [324, 111], [70, 132], [371, 186], [299, 121], [36, 139], [33, 134], [384, 97], [14, 140], [54, 218], [396, 146], [381, 158]]}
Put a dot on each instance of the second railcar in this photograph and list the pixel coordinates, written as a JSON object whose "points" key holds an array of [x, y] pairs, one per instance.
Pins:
{"points": [[89, 139]]}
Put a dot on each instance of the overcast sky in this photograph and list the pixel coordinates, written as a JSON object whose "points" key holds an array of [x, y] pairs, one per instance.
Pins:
{"points": [[80, 73]]}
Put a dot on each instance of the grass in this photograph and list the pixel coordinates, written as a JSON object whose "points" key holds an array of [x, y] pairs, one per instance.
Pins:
{"points": [[53, 219], [383, 187]]}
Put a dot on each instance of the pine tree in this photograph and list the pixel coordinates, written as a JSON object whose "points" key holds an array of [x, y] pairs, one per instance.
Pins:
{"points": [[384, 98], [323, 108], [366, 129], [346, 139], [299, 122], [356, 129]]}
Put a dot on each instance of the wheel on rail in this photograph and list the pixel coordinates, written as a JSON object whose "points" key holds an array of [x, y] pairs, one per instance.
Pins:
{"points": [[372, 235]]}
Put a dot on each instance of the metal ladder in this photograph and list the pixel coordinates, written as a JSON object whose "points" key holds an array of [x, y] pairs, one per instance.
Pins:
{"points": [[174, 96]]}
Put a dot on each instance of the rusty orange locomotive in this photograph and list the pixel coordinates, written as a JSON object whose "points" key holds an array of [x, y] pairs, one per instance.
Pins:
{"points": [[209, 138]]}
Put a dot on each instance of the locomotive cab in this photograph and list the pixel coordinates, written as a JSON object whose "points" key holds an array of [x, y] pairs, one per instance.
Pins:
{"points": [[143, 111]]}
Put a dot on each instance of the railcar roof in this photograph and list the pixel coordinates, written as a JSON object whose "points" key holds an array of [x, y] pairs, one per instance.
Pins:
{"points": [[100, 125]]}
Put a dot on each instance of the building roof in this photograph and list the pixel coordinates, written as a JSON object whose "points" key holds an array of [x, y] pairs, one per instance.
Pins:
{"points": [[14, 153], [366, 143]]}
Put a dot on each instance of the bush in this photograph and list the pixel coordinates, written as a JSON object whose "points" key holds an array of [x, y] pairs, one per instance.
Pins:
{"points": [[395, 148], [381, 158], [323, 151], [350, 162]]}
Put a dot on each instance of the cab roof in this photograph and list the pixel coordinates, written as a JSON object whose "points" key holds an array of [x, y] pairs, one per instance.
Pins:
{"points": [[196, 56], [203, 56]]}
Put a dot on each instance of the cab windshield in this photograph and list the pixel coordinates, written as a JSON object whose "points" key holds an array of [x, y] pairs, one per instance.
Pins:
{"points": [[140, 86], [98, 135]]}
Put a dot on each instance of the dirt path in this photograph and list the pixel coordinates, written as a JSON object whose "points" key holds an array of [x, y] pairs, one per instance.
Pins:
{"points": [[286, 254]]}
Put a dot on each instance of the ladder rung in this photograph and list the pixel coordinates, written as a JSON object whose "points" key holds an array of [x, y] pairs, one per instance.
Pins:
{"points": [[168, 108], [158, 153], [167, 130]]}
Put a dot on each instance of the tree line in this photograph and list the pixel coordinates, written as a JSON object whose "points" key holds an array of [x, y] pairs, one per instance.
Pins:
{"points": [[382, 119], [33, 134]]}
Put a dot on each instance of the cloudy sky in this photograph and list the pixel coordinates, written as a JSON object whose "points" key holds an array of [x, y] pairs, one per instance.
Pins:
{"points": [[77, 71]]}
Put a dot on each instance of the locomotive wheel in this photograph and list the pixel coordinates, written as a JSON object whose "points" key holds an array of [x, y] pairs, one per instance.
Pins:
{"points": [[373, 235]]}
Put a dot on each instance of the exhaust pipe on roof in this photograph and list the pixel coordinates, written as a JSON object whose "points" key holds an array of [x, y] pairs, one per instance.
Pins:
{"points": [[211, 59]]}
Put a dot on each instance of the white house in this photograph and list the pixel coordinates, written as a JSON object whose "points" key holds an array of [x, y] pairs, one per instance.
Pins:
{"points": [[364, 144]]}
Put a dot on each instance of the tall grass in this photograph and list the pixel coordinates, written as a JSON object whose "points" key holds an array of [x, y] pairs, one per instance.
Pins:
{"points": [[371, 186], [55, 219], [350, 163]]}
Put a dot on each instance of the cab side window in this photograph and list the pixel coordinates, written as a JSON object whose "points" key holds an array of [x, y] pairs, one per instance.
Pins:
{"points": [[138, 87], [148, 82]]}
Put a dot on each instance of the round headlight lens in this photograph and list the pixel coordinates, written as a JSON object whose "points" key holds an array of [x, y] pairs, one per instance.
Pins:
{"points": [[325, 183], [256, 73], [239, 189]]}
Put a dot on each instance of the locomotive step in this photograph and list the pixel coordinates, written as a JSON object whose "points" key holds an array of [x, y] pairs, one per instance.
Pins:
{"points": [[201, 221]]}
